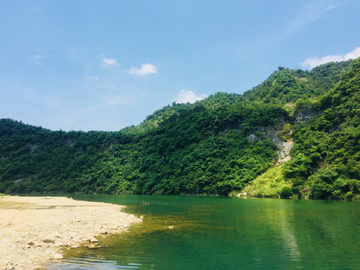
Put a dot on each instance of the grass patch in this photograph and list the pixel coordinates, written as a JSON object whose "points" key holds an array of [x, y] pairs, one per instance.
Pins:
{"points": [[269, 184]]}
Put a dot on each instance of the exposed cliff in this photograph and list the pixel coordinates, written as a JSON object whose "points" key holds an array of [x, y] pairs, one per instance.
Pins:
{"points": [[297, 129]]}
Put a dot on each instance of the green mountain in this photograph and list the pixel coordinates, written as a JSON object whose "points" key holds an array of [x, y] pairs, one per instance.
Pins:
{"points": [[220, 145]]}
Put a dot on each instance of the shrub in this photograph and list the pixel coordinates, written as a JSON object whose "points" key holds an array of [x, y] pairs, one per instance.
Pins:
{"points": [[286, 192]]}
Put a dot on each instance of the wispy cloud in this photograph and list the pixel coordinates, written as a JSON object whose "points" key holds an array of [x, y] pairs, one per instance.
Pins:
{"points": [[76, 55], [95, 78], [105, 62], [115, 100], [59, 110], [53, 103], [39, 59], [186, 96], [311, 13], [316, 61], [145, 69], [35, 9]]}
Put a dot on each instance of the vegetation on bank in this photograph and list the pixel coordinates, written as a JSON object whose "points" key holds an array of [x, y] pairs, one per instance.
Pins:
{"points": [[220, 145], [326, 154], [269, 184], [197, 151]]}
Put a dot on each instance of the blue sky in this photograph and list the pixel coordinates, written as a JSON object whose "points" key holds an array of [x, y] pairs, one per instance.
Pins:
{"points": [[105, 65]]}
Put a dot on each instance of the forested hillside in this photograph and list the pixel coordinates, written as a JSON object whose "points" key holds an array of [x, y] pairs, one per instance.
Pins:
{"points": [[326, 156], [219, 145]]}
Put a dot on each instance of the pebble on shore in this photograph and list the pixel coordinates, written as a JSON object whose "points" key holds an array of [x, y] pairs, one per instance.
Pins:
{"points": [[32, 237]]}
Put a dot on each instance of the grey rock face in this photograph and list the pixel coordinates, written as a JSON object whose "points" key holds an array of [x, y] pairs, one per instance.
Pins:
{"points": [[70, 141], [272, 133], [32, 146], [304, 115]]}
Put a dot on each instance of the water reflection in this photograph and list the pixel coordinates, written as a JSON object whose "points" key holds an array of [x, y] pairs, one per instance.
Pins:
{"points": [[287, 228], [224, 233]]}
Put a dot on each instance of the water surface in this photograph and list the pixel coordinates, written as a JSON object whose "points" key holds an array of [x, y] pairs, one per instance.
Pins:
{"points": [[227, 233]]}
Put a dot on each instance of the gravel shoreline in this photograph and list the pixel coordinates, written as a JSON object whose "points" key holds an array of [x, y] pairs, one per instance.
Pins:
{"points": [[34, 230]]}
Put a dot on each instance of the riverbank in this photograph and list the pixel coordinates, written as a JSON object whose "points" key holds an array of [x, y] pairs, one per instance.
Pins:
{"points": [[34, 230]]}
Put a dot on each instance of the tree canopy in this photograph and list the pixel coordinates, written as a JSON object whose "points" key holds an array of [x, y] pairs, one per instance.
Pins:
{"points": [[218, 145]]}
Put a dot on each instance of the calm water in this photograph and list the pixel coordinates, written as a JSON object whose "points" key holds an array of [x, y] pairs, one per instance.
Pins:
{"points": [[227, 233]]}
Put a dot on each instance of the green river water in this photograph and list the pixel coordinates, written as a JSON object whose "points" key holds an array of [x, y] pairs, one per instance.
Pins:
{"points": [[227, 233]]}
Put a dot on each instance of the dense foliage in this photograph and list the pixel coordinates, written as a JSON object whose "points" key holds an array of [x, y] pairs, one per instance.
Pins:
{"points": [[214, 146], [326, 156], [198, 150]]}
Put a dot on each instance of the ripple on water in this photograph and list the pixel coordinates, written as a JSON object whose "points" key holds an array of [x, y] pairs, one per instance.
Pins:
{"points": [[227, 233]]}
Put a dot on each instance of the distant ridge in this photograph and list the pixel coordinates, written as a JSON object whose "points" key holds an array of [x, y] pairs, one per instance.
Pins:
{"points": [[223, 145]]}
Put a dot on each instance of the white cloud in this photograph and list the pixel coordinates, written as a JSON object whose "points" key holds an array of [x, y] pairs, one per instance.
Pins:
{"points": [[53, 103], [105, 62], [352, 55], [145, 69], [35, 9], [311, 13], [316, 61], [95, 78], [39, 59], [113, 101], [76, 55], [186, 96], [117, 99]]}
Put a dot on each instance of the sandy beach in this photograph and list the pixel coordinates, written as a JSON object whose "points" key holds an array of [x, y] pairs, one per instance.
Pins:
{"points": [[34, 230]]}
